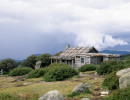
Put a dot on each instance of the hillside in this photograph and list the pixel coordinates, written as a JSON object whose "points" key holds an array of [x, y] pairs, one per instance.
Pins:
{"points": [[115, 52]]}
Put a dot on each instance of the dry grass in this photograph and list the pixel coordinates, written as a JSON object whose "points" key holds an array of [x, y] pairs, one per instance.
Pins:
{"points": [[38, 87]]}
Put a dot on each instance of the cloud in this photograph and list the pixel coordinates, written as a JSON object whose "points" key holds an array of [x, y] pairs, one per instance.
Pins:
{"points": [[91, 22]]}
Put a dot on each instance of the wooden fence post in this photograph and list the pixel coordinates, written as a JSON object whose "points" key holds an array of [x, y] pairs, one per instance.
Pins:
{"points": [[1, 72]]}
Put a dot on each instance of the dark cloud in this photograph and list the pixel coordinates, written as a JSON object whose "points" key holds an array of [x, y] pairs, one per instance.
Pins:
{"points": [[39, 26]]}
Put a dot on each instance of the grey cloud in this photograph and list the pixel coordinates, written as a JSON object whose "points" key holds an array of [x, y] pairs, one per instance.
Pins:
{"points": [[39, 26]]}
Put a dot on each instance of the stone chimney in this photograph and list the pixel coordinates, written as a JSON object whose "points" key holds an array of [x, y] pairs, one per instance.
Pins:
{"points": [[67, 46]]}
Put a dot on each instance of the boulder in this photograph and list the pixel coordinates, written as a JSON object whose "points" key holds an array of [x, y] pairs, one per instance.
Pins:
{"points": [[52, 95], [38, 64], [122, 72], [80, 88], [124, 80], [85, 99]]}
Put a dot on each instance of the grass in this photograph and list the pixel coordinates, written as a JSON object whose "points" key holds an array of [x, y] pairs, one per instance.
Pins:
{"points": [[38, 87]]}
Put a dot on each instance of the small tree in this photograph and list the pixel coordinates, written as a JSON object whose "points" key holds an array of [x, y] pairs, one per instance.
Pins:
{"points": [[30, 61], [44, 59], [7, 64]]}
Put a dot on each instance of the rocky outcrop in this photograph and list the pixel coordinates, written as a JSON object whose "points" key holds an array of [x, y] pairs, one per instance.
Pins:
{"points": [[122, 72], [52, 95], [124, 80], [80, 88], [38, 64]]}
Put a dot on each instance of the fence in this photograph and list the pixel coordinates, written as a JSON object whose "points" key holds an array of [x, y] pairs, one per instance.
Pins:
{"points": [[1, 72]]}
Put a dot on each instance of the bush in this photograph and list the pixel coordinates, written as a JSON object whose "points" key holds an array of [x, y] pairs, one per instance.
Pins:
{"points": [[111, 81], [37, 73], [6, 96], [20, 71], [109, 66], [77, 93], [121, 94], [7, 64], [30, 61], [60, 72], [44, 59], [73, 94], [87, 68]]}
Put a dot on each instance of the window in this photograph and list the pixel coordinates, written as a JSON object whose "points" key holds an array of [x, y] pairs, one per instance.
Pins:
{"points": [[73, 60], [82, 60]]}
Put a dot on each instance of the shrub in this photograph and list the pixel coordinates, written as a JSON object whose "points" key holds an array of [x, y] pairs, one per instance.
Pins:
{"points": [[126, 61], [20, 71], [6, 96], [60, 72], [73, 94], [7, 64], [37, 73], [109, 66], [87, 68], [44, 59], [77, 93], [30, 61], [111, 81], [121, 94]]}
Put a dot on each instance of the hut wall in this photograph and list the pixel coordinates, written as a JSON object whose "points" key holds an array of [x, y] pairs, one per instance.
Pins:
{"points": [[77, 62], [93, 61], [96, 60], [87, 60], [105, 58]]}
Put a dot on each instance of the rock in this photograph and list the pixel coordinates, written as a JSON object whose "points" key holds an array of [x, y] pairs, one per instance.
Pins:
{"points": [[38, 64], [85, 99], [52, 95], [122, 72], [124, 80], [96, 73], [104, 93], [27, 83], [80, 88]]}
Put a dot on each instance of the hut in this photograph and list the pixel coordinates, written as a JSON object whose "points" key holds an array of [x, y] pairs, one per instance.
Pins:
{"points": [[79, 56]]}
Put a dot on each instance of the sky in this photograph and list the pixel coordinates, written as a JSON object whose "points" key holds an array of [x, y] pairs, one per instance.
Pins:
{"points": [[47, 26]]}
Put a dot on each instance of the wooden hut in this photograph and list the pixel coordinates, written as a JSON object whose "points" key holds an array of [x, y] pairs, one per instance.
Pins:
{"points": [[78, 56]]}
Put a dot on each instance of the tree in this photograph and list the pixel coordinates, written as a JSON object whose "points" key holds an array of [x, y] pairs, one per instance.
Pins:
{"points": [[7, 64], [30, 61], [44, 59], [57, 54]]}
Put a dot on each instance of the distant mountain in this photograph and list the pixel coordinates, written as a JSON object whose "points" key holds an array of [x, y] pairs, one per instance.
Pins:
{"points": [[115, 52], [37, 54], [19, 60]]}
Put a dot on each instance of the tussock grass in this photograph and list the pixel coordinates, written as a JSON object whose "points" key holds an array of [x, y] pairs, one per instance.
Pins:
{"points": [[38, 87]]}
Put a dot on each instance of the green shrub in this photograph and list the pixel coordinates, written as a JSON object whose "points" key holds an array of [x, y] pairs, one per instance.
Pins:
{"points": [[77, 93], [20, 71], [109, 66], [73, 94], [60, 72], [121, 94], [6, 96], [111, 81], [126, 62], [37, 73], [87, 68]]}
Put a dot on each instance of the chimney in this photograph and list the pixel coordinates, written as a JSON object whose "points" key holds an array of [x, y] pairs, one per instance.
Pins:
{"points": [[67, 46]]}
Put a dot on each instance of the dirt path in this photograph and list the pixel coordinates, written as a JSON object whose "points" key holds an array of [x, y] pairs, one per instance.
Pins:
{"points": [[97, 87]]}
